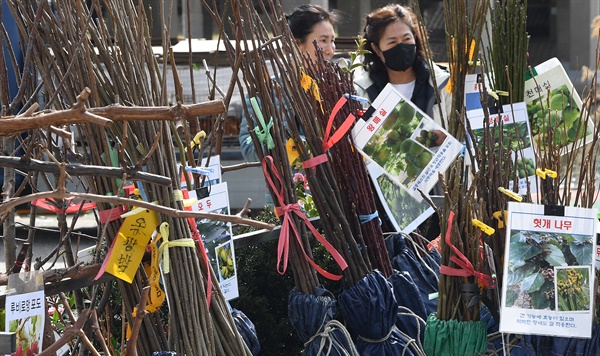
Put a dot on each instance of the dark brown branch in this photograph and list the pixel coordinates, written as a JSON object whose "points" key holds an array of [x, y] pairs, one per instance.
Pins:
{"points": [[69, 334], [139, 316], [82, 170], [10, 204], [170, 113]]}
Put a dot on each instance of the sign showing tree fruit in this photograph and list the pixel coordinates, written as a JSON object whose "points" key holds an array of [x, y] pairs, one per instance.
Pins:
{"points": [[509, 130], [403, 208], [225, 261], [557, 113], [548, 284], [554, 107], [397, 149], [408, 145]]}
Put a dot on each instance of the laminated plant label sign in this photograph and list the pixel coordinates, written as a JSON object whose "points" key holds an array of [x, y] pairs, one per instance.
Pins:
{"points": [[548, 286], [404, 211], [553, 103], [411, 148], [217, 237], [511, 125], [25, 315]]}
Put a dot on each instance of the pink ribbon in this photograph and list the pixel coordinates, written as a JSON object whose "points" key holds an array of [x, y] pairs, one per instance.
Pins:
{"points": [[198, 238], [330, 140], [286, 210]]}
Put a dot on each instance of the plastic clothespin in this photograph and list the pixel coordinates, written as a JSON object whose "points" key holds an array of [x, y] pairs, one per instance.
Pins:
{"points": [[546, 172], [540, 173], [497, 93], [511, 194], [551, 174], [357, 98], [501, 216], [483, 227], [200, 170]]}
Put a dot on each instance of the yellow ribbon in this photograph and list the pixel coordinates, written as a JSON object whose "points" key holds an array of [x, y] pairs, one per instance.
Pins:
{"points": [[178, 196], [163, 250], [309, 84], [292, 151], [157, 295], [471, 50]]}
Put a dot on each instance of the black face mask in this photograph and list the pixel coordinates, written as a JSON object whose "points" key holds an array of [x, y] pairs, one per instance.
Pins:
{"points": [[400, 57]]}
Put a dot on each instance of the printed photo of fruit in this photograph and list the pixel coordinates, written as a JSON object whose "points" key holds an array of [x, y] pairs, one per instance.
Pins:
{"points": [[512, 136], [28, 332], [525, 167], [403, 207], [225, 263], [393, 148], [573, 289], [557, 111]]}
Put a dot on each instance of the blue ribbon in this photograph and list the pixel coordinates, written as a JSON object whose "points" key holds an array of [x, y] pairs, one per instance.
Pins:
{"points": [[366, 218]]}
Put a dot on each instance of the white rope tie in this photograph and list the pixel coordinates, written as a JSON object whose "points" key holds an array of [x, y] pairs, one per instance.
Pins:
{"points": [[327, 340], [373, 341]]}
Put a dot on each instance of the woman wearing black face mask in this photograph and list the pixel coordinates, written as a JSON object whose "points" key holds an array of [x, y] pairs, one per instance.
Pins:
{"points": [[397, 57]]}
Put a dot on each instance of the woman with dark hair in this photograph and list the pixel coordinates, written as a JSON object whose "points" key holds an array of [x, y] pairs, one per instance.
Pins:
{"points": [[307, 23], [397, 56], [310, 22]]}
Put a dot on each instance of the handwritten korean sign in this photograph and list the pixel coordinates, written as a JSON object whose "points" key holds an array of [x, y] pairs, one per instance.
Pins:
{"points": [[128, 248]]}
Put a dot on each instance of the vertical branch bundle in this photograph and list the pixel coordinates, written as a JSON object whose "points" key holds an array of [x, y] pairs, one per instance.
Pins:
{"points": [[348, 164], [112, 55], [508, 52], [461, 206], [464, 25], [292, 112]]}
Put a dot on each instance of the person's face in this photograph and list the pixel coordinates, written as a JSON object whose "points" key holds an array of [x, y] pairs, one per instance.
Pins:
{"points": [[323, 33], [394, 33]]}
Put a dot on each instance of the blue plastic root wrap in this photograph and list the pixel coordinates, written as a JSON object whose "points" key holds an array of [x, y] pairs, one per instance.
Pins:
{"points": [[312, 318], [412, 314], [247, 330], [555, 346], [424, 270], [370, 310]]}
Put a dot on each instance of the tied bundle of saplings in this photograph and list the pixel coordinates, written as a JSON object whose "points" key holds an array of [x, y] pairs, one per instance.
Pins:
{"points": [[275, 116], [575, 184], [456, 327], [288, 111], [335, 114], [91, 47]]}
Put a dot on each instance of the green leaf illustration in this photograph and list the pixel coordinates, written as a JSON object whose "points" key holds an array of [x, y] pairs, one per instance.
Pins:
{"points": [[553, 255]]}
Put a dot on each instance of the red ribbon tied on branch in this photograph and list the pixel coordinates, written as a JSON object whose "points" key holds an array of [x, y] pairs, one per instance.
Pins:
{"points": [[285, 210], [466, 267], [329, 140]]}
